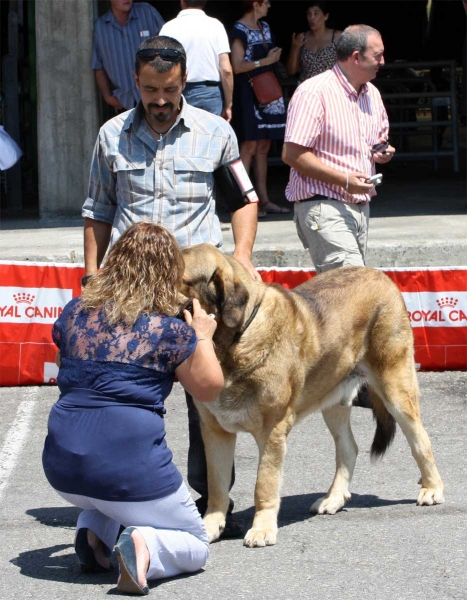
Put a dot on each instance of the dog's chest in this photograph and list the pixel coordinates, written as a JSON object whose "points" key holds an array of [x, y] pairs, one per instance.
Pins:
{"points": [[234, 415]]}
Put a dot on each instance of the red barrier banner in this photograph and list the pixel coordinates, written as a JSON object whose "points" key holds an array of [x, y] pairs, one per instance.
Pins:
{"points": [[32, 296], [436, 301]]}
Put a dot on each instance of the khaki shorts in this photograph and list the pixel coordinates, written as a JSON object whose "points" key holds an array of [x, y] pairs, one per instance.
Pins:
{"points": [[334, 232]]}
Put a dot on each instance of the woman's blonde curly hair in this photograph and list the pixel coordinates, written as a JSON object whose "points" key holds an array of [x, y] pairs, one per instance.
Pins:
{"points": [[142, 275]]}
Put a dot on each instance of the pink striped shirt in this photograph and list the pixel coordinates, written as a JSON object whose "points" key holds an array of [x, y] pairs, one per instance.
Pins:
{"points": [[339, 126]]}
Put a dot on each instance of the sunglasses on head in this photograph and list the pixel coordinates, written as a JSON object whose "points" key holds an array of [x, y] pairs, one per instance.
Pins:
{"points": [[148, 54]]}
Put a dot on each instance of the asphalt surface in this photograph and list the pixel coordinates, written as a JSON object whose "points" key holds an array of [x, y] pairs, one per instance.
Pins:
{"points": [[380, 546]]}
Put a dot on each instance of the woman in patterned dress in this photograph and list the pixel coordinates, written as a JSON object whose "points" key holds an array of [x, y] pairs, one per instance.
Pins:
{"points": [[254, 52], [313, 51]]}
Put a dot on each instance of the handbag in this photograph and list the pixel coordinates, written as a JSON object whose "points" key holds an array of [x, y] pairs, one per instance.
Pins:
{"points": [[266, 86]]}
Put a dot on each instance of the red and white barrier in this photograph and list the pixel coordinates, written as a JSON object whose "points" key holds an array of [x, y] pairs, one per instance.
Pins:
{"points": [[32, 296]]}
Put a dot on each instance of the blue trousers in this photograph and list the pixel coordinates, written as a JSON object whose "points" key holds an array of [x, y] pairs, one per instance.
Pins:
{"points": [[197, 469], [207, 97]]}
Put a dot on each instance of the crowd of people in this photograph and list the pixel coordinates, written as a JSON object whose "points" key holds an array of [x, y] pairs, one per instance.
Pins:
{"points": [[190, 121]]}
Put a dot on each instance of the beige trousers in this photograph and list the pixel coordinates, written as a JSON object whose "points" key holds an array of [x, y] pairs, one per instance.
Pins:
{"points": [[334, 232]]}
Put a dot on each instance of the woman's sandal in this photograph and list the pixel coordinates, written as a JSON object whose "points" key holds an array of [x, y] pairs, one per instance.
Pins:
{"points": [[126, 555], [272, 209], [86, 558]]}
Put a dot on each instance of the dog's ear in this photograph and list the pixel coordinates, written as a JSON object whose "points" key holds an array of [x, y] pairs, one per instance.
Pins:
{"points": [[233, 296]]}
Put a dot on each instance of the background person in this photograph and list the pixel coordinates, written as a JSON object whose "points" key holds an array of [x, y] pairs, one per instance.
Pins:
{"points": [[208, 64], [254, 52], [156, 163], [120, 346], [313, 51], [330, 163], [117, 36]]}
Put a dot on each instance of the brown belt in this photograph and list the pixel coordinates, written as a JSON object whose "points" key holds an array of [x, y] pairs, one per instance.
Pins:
{"points": [[321, 197]]}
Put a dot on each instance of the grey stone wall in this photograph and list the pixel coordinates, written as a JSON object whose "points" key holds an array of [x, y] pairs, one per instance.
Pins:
{"points": [[67, 104]]}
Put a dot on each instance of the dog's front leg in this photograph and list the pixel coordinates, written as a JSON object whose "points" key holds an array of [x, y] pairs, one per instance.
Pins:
{"points": [[337, 419], [272, 447], [219, 447]]}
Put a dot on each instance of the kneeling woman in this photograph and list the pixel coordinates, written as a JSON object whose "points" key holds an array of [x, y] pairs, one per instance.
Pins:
{"points": [[120, 346]]}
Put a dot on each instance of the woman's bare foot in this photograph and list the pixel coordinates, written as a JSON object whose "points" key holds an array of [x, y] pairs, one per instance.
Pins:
{"points": [[98, 548], [142, 556]]}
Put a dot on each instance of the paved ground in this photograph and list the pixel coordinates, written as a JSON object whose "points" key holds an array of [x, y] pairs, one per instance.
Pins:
{"points": [[381, 546]]}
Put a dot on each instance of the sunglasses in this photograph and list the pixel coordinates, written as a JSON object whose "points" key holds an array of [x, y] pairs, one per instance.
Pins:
{"points": [[170, 54]]}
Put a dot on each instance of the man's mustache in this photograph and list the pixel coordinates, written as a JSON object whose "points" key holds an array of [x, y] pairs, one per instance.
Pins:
{"points": [[159, 106]]}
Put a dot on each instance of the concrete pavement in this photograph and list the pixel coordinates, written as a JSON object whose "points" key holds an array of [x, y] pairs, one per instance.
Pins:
{"points": [[380, 546], [419, 218]]}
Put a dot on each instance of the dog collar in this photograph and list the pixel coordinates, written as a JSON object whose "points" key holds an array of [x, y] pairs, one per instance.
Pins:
{"points": [[239, 334]]}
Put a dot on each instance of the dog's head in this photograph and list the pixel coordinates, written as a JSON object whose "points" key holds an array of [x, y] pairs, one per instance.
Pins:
{"points": [[216, 281]]}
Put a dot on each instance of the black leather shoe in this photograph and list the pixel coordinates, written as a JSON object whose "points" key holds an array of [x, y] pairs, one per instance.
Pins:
{"points": [[126, 555], [232, 529], [86, 559]]}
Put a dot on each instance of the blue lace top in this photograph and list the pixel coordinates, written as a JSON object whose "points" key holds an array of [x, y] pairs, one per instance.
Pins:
{"points": [[106, 436]]}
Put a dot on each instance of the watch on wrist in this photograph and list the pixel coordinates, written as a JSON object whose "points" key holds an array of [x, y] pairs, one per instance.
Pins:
{"points": [[257, 65]]}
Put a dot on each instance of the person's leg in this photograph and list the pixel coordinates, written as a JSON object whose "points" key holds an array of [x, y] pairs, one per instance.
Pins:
{"points": [[261, 172], [334, 233], [363, 215], [197, 470], [101, 532], [247, 152], [175, 539], [197, 474]]}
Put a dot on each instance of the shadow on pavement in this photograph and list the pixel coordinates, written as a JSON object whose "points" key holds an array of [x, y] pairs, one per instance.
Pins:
{"points": [[59, 516], [44, 563], [295, 509]]}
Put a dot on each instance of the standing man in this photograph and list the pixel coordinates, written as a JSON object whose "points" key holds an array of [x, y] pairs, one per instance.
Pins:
{"points": [[157, 163], [117, 36], [207, 47], [335, 123]]}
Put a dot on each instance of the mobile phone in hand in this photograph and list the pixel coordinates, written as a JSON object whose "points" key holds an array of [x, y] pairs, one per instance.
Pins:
{"points": [[376, 179], [380, 147]]}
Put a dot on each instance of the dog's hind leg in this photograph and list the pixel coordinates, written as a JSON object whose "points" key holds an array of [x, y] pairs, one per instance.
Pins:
{"points": [[399, 392], [402, 403], [337, 419], [220, 450], [272, 448]]}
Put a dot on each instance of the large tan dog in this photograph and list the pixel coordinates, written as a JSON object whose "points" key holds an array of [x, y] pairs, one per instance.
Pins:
{"points": [[287, 354]]}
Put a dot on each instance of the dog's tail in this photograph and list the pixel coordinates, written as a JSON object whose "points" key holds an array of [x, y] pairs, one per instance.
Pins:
{"points": [[385, 427]]}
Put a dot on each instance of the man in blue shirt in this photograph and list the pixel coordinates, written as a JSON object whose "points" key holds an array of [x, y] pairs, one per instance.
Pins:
{"points": [[117, 36]]}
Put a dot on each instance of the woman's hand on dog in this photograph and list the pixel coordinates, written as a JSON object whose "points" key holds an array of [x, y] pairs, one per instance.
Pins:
{"points": [[203, 324], [201, 374]]}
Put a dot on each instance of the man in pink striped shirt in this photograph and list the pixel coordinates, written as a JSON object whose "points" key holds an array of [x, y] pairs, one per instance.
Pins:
{"points": [[334, 120]]}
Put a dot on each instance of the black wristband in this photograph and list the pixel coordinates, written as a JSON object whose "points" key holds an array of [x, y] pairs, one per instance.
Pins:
{"points": [[85, 279]]}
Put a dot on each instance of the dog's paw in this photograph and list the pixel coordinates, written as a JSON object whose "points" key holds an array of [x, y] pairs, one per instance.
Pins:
{"points": [[258, 538], [429, 496], [329, 505], [215, 524]]}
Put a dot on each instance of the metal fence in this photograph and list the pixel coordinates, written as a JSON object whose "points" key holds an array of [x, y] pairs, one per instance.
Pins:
{"points": [[421, 100]]}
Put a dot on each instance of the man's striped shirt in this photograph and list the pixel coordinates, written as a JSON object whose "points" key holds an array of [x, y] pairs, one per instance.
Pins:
{"points": [[339, 126]]}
